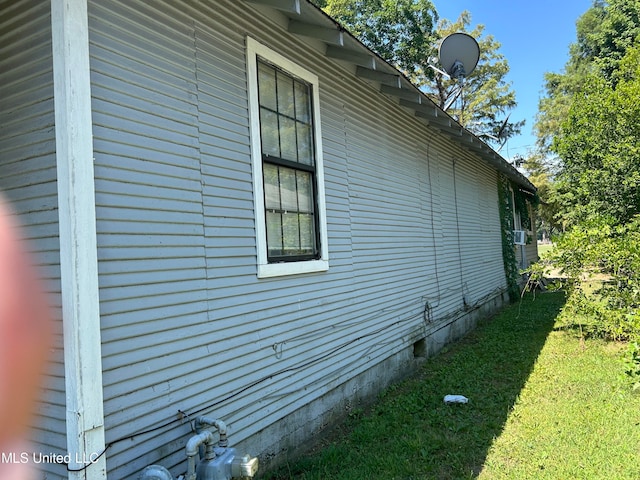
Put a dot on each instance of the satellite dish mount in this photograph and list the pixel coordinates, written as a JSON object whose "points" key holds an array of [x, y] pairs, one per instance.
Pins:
{"points": [[457, 71]]}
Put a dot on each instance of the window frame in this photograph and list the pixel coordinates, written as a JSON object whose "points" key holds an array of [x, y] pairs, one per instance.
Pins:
{"points": [[256, 49]]}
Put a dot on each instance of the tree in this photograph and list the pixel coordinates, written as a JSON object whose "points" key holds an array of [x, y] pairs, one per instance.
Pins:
{"points": [[604, 34], [547, 212], [590, 119], [599, 144], [400, 31], [403, 33], [588, 182], [598, 195], [487, 97]]}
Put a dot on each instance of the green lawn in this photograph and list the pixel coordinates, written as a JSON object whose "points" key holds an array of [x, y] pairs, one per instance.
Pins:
{"points": [[544, 248], [543, 404]]}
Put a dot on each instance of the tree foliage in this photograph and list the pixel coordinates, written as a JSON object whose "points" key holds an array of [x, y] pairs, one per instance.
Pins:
{"points": [[585, 121], [599, 252], [599, 144], [487, 97], [590, 119], [547, 222], [406, 33], [604, 34], [400, 31]]}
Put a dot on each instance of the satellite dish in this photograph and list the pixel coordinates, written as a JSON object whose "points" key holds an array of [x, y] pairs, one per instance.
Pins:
{"points": [[459, 54]]}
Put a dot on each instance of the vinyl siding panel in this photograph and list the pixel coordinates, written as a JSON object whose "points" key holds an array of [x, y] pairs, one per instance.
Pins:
{"points": [[186, 323], [251, 316], [28, 182], [149, 216]]}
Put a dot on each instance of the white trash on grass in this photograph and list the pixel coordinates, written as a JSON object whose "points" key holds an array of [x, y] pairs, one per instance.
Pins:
{"points": [[455, 399]]}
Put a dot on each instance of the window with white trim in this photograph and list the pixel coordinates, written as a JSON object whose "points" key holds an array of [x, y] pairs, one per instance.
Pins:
{"points": [[287, 164]]}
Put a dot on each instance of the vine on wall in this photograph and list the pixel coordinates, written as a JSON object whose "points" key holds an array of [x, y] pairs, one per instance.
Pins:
{"points": [[506, 227], [522, 202]]}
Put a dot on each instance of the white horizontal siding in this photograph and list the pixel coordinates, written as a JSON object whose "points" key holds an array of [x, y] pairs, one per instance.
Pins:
{"points": [[480, 237], [305, 317], [186, 322], [28, 181], [149, 217]]}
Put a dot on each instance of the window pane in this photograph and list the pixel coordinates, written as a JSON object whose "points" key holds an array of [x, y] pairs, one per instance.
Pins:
{"points": [[305, 200], [307, 235], [274, 233], [303, 106], [271, 187], [288, 189], [289, 209], [291, 232], [288, 139], [269, 133], [267, 86], [285, 95], [305, 144]]}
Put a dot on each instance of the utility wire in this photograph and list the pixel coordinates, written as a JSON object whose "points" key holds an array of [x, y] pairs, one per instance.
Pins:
{"points": [[242, 390]]}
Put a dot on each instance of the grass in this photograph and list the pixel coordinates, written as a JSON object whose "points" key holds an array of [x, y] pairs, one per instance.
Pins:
{"points": [[544, 248], [543, 404], [575, 418]]}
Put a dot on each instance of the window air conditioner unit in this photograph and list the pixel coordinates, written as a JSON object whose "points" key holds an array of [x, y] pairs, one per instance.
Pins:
{"points": [[519, 237]]}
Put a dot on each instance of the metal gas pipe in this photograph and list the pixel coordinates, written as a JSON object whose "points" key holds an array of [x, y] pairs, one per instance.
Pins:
{"points": [[218, 461]]}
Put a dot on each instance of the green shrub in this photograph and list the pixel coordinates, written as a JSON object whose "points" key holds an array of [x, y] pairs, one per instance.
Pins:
{"points": [[600, 262]]}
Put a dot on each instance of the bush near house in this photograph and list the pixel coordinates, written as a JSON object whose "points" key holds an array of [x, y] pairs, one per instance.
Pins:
{"points": [[601, 262]]}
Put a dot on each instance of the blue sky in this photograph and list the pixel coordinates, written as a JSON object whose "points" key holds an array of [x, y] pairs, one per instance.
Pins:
{"points": [[535, 37]]}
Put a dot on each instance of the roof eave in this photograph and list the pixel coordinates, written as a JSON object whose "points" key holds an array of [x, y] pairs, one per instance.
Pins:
{"points": [[308, 20]]}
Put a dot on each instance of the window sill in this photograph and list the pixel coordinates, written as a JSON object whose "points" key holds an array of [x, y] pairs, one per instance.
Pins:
{"points": [[292, 268]]}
